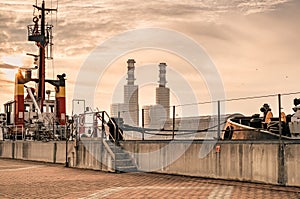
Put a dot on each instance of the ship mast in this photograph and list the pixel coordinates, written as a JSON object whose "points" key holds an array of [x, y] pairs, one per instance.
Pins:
{"points": [[41, 34]]}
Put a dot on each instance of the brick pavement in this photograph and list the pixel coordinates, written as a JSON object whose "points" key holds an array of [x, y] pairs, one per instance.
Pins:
{"points": [[23, 179]]}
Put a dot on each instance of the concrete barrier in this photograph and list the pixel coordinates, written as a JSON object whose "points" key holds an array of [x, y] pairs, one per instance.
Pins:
{"points": [[88, 154], [53, 152], [266, 162], [7, 149], [59, 152], [91, 154], [292, 164], [40, 151], [243, 161]]}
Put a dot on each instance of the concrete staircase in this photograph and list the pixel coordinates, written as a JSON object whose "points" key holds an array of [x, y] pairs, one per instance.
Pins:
{"points": [[122, 161]]}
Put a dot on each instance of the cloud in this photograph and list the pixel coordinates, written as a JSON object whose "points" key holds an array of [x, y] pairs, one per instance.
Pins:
{"points": [[8, 66], [255, 6], [5, 83], [239, 35], [100, 20], [83, 25]]}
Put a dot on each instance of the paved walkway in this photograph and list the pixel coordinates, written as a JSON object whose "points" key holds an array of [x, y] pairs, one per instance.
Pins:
{"points": [[23, 179]]}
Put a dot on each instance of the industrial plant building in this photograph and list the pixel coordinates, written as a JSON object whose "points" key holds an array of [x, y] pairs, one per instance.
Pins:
{"points": [[154, 115], [129, 110]]}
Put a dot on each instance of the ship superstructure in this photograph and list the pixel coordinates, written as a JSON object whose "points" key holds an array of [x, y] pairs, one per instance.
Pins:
{"points": [[31, 114]]}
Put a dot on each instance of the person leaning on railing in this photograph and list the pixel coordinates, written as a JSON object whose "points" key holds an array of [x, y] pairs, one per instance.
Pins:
{"points": [[267, 115]]}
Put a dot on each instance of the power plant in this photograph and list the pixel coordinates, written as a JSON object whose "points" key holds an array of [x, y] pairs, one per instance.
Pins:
{"points": [[154, 115], [129, 110]]}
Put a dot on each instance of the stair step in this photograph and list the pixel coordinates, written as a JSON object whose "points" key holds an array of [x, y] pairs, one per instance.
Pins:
{"points": [[123, 155], [124, 162], [110, 143], [114, 147], [117, 150], [127, 169]]}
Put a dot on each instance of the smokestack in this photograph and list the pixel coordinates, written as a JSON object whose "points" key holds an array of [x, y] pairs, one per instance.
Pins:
{"points": [[60, 96], [162, 75], [163, 93], [130, 72], [131, 97], [19, 98]]}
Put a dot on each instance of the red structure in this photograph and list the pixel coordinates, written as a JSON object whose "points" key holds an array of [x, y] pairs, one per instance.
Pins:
{"points": [[60, 97], [19, 98]]}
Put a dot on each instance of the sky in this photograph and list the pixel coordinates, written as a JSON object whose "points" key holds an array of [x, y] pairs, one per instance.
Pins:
{"points": [[253, 44]]}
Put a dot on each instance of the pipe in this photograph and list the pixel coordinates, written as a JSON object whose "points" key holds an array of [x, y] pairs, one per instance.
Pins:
{"points": [[34, 101]]}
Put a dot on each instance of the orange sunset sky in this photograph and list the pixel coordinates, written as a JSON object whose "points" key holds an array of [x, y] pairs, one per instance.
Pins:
{"points": [[253, 44]]}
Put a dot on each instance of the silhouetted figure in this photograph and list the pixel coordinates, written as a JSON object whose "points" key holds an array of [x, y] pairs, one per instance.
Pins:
{"points": [[114, 130], [268, 115]]}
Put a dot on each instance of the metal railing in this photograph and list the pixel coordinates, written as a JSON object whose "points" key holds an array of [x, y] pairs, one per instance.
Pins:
{"points": [[210, 119], [14, 132], [107, 121], [97, 124]]}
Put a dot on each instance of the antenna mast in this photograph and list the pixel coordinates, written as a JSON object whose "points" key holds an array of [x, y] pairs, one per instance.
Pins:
{"points": [[42, 35]]}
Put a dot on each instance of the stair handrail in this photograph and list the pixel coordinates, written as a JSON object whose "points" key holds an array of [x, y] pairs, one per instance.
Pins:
{"points": [[115, 125], [109, 149], [99, 115]]}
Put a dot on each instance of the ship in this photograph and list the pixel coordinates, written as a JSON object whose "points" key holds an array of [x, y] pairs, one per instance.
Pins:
{"points": [[34, 114], [30, 114], [264, 127]]}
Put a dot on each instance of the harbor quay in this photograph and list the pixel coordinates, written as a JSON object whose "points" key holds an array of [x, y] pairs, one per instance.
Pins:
{"points": [[28, 179]]}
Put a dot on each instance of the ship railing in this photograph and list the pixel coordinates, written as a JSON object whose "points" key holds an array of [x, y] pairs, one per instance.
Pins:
{"points": [[14, 132], [35, 31], [98, 124], [20, 128], [60, 132]]}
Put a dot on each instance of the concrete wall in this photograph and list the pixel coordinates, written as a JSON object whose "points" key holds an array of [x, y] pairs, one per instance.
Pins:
{"points": [[266, 162], [54, 152], [6, 149], [91, 154], [244, 161], [292, 164]]}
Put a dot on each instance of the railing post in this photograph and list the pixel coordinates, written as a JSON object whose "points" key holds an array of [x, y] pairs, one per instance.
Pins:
{"points": [[115, 133], [102, 125], [118, 126], [143, 124], [53, 124], [61, 133], [173, 130], [281, 151], [219, 120], [67, 163], [279, 117]]}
